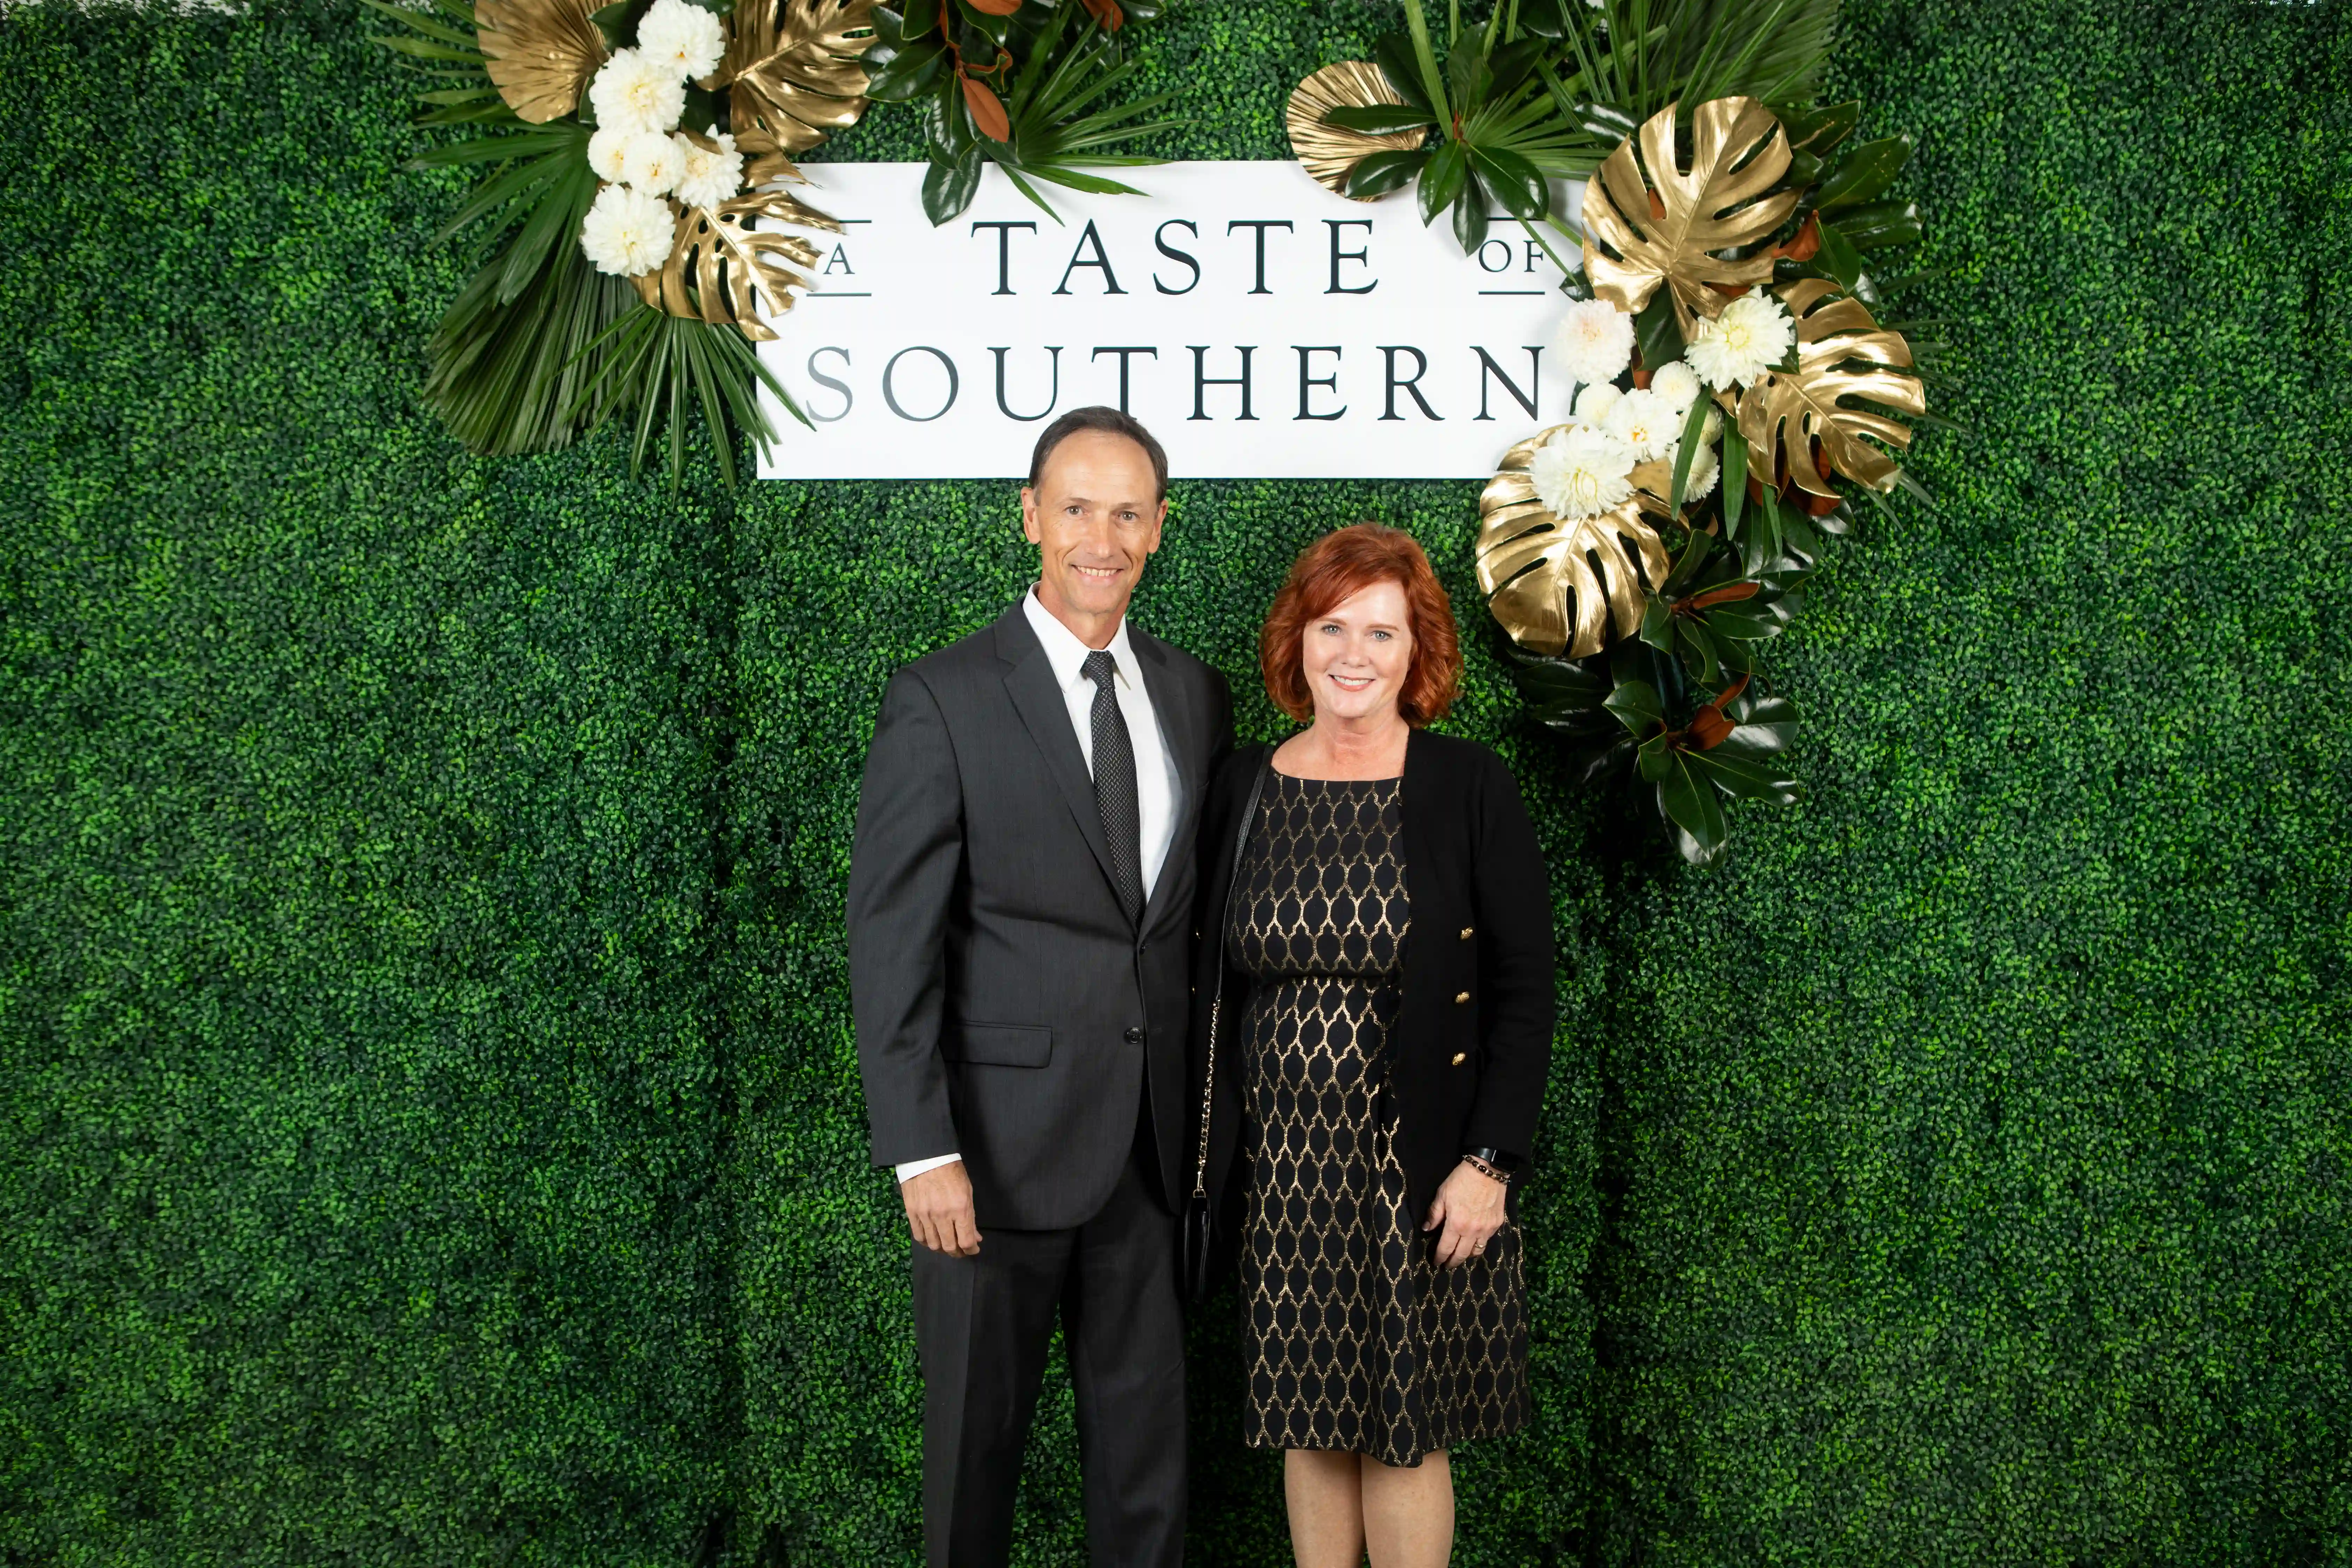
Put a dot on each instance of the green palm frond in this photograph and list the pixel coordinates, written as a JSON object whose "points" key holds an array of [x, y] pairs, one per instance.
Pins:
{"points": [[438, 42], [1049, 69], [661, 369], [1635, 57], [509, 358]]}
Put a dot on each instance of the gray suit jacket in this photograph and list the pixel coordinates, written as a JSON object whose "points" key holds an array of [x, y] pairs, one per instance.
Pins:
{"points": [[1006, 1008]]}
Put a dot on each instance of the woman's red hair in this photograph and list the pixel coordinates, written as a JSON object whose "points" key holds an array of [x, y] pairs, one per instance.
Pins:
{"points": [[1340, 564]]}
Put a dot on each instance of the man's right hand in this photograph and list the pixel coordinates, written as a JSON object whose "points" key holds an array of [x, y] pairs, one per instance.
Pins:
{"points": [[938, 1210]]}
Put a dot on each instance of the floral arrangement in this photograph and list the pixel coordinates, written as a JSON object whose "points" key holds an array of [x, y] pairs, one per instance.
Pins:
{"points": [[1018, 85], [1737, 379], [633, 224], [1681, 510], [630, 225]]}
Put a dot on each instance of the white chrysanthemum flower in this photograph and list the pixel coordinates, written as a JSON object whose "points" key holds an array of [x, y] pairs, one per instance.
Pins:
{"points": [[706, 178], [1677, 385], [1595, 340], [651, 163], [1750, 337], [1642, 422], [683, 38], [1581, 471], [1593, 404], [1712, 431], [1705, 469], [605, 151], [626, 233], [631, 92]]}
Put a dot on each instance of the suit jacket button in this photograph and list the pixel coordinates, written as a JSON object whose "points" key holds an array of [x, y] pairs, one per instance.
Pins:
{"points": [[1465, 933], [1461, 997], [1461, 1056], [1135, 1036]]}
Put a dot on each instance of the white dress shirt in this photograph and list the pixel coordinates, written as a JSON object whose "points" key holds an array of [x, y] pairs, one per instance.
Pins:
{"points": [[1158, 789]]}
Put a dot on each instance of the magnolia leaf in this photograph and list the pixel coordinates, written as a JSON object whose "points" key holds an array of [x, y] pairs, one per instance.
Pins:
{"points": [[1746, 779], [541, 53], [1668, 227], [793, 76], [1760, 728], [1559, 585], [1383, 173], [719, 259], [1329, 151], [1691, 805], [987, 110], [1635, 703], [1863, 171], [1560, 687], [1819, 129], [1841, 352]]}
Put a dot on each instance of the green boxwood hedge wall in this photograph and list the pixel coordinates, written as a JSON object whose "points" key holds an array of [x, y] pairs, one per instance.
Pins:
{"points": [[432, 1134]]}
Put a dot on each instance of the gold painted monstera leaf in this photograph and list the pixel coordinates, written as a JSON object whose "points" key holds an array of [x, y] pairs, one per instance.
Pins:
{"points": [[1841, 352], [1329, 152], [1560, 584], [724, 259], [793, 76], [541, 53], [1666, 228]]}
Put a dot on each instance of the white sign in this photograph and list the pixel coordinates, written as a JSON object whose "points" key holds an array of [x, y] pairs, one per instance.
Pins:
{"points": [[1259, 325]]}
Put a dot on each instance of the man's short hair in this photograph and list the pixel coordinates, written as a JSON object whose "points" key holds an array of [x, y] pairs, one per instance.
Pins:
{"points": [[1111, 421]]}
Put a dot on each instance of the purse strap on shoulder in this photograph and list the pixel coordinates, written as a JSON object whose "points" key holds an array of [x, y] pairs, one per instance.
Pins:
{"points": [[1217, 995]]}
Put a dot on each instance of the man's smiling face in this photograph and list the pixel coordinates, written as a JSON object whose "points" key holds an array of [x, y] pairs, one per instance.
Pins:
{"points": [[1095, 516]]}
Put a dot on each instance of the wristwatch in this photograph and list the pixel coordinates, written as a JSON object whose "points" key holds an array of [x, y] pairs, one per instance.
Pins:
{"points": [[1509, 1165]]}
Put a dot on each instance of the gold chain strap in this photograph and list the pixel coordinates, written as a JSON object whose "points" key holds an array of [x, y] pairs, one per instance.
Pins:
{"points": [[1217, 1002], [1208, 1095]]}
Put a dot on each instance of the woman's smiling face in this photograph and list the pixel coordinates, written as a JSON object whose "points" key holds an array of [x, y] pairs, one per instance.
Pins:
{"points": [[1356, 654]]}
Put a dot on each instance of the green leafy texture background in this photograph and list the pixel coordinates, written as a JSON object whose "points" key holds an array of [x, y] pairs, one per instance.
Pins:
{"points": [[432, 1131]]}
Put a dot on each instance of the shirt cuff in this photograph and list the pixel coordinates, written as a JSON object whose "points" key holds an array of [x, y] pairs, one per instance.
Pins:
{"points": [[917, 1167]]}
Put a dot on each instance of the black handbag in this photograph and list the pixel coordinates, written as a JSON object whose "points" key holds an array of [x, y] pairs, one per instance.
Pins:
{"points": [[1200, 1224]]}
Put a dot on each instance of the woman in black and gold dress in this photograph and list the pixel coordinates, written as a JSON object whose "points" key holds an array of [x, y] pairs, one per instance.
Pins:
{"points": [[1376, 975]]}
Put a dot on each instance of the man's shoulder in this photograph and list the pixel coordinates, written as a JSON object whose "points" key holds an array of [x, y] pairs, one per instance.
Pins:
{"points": [[1182, 665], [974, 654]]}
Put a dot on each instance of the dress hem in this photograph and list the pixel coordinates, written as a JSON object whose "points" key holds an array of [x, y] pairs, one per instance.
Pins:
{"points": [[1262, 1446]]}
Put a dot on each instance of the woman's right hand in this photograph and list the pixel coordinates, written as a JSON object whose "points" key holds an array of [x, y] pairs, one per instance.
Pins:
{"points": [[1471, 1207]]}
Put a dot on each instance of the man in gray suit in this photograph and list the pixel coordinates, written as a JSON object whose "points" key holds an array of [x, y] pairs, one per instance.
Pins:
{"points": [[1020, 905]]}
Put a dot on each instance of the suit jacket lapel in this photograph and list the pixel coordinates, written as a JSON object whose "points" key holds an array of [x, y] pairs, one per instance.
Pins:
{"points": [[1179, 731], [1038, 700]]}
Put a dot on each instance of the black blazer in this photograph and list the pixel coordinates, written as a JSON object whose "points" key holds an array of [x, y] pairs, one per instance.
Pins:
{"points": [[1006, 1008], [1473, 1035]]}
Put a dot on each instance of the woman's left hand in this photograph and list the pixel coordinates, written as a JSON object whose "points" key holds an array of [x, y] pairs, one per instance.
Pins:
{"points": [[1470, 1207]]}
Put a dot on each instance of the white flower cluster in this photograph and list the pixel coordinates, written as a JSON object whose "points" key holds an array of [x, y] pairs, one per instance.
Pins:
{"points": [[638, 96], [1587, 466], [1750, 337], [1595, 340]]}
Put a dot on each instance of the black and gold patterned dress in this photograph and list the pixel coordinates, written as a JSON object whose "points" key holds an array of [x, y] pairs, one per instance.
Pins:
{"points": [[1357, 1341]]}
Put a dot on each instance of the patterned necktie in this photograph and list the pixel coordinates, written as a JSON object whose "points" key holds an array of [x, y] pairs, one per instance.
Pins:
{"points": [[1122, 818]]}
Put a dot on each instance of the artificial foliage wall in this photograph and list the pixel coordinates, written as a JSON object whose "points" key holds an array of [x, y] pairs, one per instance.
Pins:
{"points": [[432, 1133]]}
